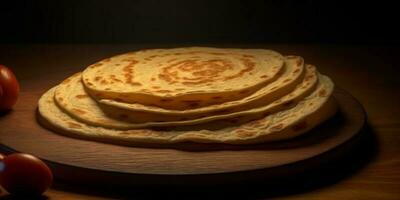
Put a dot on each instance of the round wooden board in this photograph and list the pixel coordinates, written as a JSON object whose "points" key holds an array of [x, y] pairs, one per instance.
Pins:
{"points": [[97, 162]]}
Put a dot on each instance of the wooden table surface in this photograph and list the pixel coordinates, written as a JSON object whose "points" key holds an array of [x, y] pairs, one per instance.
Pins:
{"points": [[370, 171]]}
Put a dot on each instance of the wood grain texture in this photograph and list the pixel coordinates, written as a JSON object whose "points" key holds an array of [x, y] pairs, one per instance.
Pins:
{"points": [[368, 172]]}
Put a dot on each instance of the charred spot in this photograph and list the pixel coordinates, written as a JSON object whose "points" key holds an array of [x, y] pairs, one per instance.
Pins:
{"points": [[264, 76]]}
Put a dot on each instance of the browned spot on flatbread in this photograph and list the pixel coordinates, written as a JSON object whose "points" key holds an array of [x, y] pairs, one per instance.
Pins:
{"points": [[60, 99], [135, 83], [81, 96], [264, 76], [296, 71], [287, 80], [256, 123], [244, 133], [308, 77], [322, 93], [153, 79], [299, 62], [277, 127], [300, 126], [74, 125], [97, 78], [103, 82], [155, 87], [79, 111]]}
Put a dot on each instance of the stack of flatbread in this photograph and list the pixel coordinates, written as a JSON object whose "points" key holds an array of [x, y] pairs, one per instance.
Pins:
{"points": [[196, 94]]}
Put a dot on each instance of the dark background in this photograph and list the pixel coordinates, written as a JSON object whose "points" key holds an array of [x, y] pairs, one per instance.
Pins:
{"points": [[180, 21]]}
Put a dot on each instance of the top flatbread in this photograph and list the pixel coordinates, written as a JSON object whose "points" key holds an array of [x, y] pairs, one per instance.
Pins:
{"points": [[291, 75], [182, 78]]}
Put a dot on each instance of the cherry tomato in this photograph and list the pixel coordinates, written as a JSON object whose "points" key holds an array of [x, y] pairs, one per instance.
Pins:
{"points": [[24, 174], [10, 88]]}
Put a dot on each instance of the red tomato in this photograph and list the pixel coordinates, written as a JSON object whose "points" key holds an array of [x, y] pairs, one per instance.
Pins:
{"points": [[10, 88], [24, 174]]}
